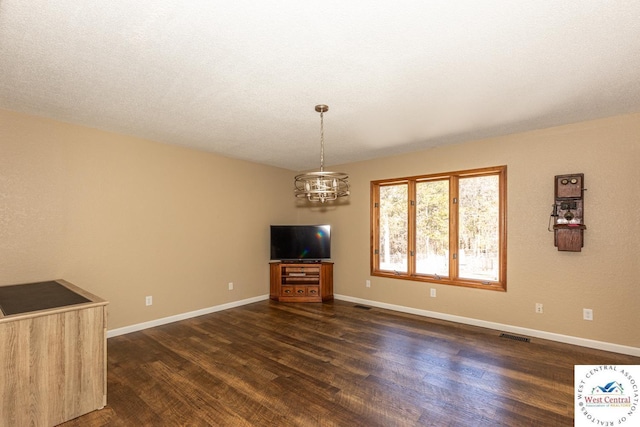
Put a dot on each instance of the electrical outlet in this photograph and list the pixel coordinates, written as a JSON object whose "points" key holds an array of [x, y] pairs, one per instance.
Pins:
{"points": [[539, 309], [432, 293], [587, 314], [148, 300], [368, 283], [230, 286]]}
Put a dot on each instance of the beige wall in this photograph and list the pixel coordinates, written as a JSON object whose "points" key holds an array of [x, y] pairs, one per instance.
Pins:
{"points": [[125, 218], [605, 276]]}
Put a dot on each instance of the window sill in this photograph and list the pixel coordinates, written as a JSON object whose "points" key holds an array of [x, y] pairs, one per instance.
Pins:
{"points": [[477, 284]]}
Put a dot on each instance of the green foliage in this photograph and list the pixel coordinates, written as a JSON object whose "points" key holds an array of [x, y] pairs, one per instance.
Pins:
{"points": [[432, 217], [479, 204], [393, 223], [478, 226]]}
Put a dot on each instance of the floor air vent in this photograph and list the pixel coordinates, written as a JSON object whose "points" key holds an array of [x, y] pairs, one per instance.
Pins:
{"points": [[515, 337], [364, 307]]}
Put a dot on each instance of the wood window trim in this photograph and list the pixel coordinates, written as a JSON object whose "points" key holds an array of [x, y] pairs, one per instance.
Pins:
{"points": [[453, 177]]}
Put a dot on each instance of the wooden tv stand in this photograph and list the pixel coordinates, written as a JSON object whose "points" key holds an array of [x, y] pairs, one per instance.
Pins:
{"points": [[301, 282]]}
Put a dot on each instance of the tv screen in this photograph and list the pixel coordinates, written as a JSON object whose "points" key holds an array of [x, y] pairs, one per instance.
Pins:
{"points": [[300, 242]]}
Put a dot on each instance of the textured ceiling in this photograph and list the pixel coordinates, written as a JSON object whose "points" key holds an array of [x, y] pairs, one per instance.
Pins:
{"points": [[241, 78]]}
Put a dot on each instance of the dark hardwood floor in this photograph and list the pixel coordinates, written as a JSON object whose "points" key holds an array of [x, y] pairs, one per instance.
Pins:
{"points": [[336, 364]]}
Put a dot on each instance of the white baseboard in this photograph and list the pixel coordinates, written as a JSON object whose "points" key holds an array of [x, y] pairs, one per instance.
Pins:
{"points": [[183, 316], [583, 342]]}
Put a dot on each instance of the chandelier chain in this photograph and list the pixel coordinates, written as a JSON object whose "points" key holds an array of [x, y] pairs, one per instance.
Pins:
{"points": [[322, 141]]}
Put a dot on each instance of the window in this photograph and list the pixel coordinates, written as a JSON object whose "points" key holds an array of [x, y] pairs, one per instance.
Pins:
{"points": [[445, 228]]}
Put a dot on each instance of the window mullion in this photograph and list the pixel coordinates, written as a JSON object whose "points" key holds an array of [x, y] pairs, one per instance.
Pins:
{"points": [[453, 227], [411, 233]]}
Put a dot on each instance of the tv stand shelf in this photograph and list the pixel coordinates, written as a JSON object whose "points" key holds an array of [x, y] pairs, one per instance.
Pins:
{"points": [[301, 282]]}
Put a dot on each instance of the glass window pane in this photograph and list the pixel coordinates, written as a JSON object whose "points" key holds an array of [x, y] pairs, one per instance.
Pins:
{"points": [[479, 244], [393, 227], [432, 228]]}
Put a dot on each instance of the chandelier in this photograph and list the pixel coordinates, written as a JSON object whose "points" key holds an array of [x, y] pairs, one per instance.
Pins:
{"points": [[321, 186]]}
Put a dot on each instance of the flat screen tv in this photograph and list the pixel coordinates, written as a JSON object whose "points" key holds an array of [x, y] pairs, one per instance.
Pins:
{"points": [[310, 243]]}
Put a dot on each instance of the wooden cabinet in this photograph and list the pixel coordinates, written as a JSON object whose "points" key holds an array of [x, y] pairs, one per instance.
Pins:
{"points": [[301, 282], [53, 361]]}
